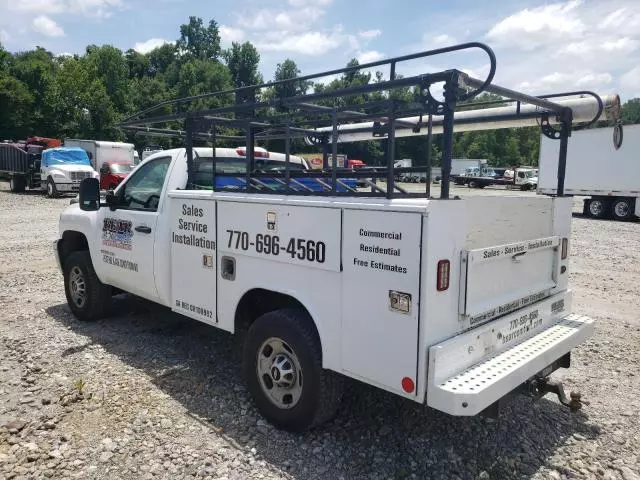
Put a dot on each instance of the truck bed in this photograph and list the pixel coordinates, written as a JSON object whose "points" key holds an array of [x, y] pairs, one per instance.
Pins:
{"points": [[350, 262], [15, 160]]}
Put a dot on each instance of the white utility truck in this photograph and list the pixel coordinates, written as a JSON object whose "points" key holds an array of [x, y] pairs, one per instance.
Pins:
{"points": [[599, 168], [454, 303]]}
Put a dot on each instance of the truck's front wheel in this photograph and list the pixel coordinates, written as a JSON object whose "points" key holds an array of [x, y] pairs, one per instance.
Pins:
{"points": [[52, 191], [86, 295], [283, 368]]}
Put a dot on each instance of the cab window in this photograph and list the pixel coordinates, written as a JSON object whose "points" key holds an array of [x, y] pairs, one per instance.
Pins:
{"points": [[144, 186]]}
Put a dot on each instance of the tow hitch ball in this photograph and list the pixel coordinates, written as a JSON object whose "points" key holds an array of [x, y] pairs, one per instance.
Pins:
{"points": [[540, 386]]}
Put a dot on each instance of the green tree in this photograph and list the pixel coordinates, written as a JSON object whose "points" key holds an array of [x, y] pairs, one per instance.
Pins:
{"points": [[199, 42], [16, 107], [243, 61], [161, 58], [288, 70], [631, 111], [139, 64]]}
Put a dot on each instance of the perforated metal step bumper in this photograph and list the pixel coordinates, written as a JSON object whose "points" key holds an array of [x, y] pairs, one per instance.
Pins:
{"points": [[473, 389]]}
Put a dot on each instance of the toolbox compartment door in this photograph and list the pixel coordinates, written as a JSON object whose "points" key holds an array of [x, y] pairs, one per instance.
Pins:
{"points": [[380, 303]]}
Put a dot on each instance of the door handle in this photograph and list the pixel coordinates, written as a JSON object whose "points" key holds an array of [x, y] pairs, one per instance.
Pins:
{"points": [[143, 229]]}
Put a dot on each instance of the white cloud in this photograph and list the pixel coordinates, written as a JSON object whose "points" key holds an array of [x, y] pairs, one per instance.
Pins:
{"points": [[530, 28], [441, 40], [291, 19], [228, 35], [89, 8], [302, 3], [370, 34], [558, 81], [310, 43], [47, 27], [4, 36], [631, 79], [149, 45], [369, 56]]}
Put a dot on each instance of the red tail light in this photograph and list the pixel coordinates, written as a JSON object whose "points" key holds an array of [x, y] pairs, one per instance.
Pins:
{"points": [[443, 275], [565, 248]]}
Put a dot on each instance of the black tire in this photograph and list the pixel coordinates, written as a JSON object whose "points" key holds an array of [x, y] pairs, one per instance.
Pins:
{"points": [[472, 184], [52, 191], [623, 209], [321, 390], [97, 296], [597, 208], [17, 184]]}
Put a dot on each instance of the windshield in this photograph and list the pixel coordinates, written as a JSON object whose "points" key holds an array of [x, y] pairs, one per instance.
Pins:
{"points": [[65, 156], [120, 168]]}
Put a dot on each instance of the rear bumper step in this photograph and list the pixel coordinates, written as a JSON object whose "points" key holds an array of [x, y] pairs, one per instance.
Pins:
{"points": [[475, 388]]}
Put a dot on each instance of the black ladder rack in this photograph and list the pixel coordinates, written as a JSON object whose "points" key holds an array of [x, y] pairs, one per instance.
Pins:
{"points": [[255, 117]]}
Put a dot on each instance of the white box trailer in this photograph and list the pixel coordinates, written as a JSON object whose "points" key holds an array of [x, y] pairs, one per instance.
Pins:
{"points": [[608, 176], [100, 151], [459, 165]]}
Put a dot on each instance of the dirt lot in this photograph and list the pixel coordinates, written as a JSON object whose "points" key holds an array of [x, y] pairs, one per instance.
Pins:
{"points": [[163, 397]]}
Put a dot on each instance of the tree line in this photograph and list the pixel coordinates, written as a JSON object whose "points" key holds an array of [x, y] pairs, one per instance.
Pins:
{"points": [[87, 95]]}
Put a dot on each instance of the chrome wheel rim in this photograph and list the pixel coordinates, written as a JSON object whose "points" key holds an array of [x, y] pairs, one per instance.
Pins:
{"points": [[621, 209], [77, 287], [279, 373], [596, 208]]}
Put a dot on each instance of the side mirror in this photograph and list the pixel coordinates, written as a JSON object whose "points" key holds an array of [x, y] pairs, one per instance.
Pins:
{"points": [[89, 194], [111, 199]]}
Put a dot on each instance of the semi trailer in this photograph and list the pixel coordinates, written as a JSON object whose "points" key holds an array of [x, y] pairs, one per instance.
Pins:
{"points": [[599, 168]]}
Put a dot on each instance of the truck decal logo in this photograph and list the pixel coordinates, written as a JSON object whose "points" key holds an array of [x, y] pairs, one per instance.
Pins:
{"points": [[117, 233]]}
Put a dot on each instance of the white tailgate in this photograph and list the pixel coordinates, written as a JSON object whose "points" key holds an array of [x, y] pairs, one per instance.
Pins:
{"points": [[471, 371], [500, 279]]}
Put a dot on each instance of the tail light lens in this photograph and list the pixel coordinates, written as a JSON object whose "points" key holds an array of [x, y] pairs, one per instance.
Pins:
{"points": [[564, 249], [444, 268]]}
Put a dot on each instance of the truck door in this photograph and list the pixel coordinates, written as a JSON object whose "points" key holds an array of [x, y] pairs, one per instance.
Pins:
{"points": [[127, 235]]}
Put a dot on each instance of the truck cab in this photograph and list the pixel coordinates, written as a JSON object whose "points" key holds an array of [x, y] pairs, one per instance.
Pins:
{"points": [[112, 173], [63, 168]]}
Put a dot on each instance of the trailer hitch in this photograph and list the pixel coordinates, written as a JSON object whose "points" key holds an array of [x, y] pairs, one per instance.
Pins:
{"points": [[540, 386]]}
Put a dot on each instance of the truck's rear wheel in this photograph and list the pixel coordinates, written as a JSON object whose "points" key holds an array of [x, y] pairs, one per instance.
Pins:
{"points": [[52, 191], [597, 208], [86, 295], [17, 184], [283, 368], [622, 209]]}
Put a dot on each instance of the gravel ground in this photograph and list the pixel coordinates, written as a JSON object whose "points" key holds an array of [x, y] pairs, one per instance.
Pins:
{"points": [[147, 394]]}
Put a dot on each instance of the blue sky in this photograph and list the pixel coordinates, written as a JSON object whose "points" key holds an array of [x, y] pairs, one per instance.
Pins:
{"points": [[542, 46]]}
